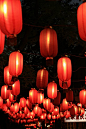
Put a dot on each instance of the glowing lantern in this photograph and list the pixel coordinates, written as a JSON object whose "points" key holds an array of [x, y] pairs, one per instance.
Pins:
{"points": [[65, 84], [64, 105], [54, 117], [28, 115], [15, 63], [42, 79], [26, 110], [58, 116], [11, 17], [33, 96], [16, 88], [48, 116], [7, 76], [4, 107], [1, 101], [56, 111], [40, 98], [64, 69], [29, 104], [11, 108], [82, 97], [32, 115], [73, 110], [67, 114], [69, 96], [82, 111], [48, 43], [43, 116], [11, 97], [52, 108], [81, 20], [37, 110], [2, 41], [22, 102], [52, 90], [8, 103], [16, 107], [4, 92], [56, 101], [47, 104]]}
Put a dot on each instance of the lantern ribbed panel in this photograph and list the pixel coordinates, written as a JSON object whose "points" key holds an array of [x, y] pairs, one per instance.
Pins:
{"points": [[7, 76], [69, 96], [42, 79], [2, 41], [65, 84], [64, 69], [10, 16], [33, 96], [82, 97], [16, 88], [15, 63], [81, 20], [52, 90], [48, 43]]}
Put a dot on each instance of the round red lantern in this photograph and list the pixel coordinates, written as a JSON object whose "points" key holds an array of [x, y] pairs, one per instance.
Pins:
{"points": [[7, 76], [52, 90], [48, 116], [33, 96], [43, 116], [69, 96], [64, 105], [11, 17], [2, 41], [81, 20], [56, 101], [28, 115], [29, 104], [15, 63], [56, 111], [16, 88], [64, 69], [16, 107], [65, 84], [4, 92], [67, 114], [82, 97], [22, 102], [53, 117], [1, 101], [40, 97], [42, 78], [48, 43]]}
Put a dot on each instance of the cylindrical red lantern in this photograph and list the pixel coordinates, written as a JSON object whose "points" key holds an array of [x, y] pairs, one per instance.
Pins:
{"points": [[64, 69], [52, 108], [2, 41], [65, 84], [56, 101], [16, 88], [29, 104], [56, 111], [16, 107], [37, 110], [42, 78], [22, 102], [52, 90], [54, 117], [11, 17], [11, 97], [12, 108], [48, 43], [40, 97], [4, 92], [8, 103], [15, 63], [81, 20], [73, 110], [1, 101], [7, 76], [49, 116], [64, 105], [82, 97], [69, 96], [47, 104], [33, 96]]}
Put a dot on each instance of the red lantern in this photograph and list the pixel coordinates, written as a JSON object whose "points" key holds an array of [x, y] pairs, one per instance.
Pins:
{"points": [[48, 116], [7, 76], [26, 110], [1, 101], [43, 116], [16, 107], [33, 96], [32, 115], [2, 41], [56, 111], [82, 111], [22, 102], [52, 90], [12, 108], [65, 84], [29, 104], [58, 116], [48, 43], [82, 97], [52, 108], [15, 63], [37, 110], [57, 100], [47, 104], [4, 92], [16, 88], [64, 105], [8, 103], [42, 79], [69, 96], [11, 97], [64, 69], [81, 20], [54, 117], [4, 107], [40, 98], [28, 115], [11, 17]]}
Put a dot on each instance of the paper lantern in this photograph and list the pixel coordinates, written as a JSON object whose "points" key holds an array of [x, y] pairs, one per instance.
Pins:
{"points": [[56, 101], [1, 101], [32, 115], [56, 111], [48, 116], [42, 79], [11, 97], [47, 104], [48, 43], [54, 117], [15, 63], [65, 84], [29, 104], [81, 20], [8, 103], [64, 105], [43, 116], [16, 88], [52, 108], [64, 69], [69, 96], [73, 111], [26, 110], [37, 110], [7, 76], [12, 108], [11, 17], [4, 92], [82, 97], [2, 41], [33, 96], [4, 107], [16, 107], [22, 102], [52, 90], [40, 97]]}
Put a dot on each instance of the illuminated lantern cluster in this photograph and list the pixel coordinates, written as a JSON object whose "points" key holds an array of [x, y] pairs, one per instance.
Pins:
{"points": [[10, 17], [42, 79], [48, 43], [81, 20], [52, 90], [15, 63]]}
